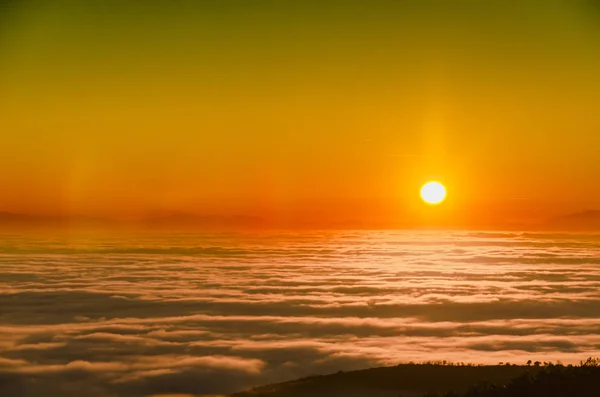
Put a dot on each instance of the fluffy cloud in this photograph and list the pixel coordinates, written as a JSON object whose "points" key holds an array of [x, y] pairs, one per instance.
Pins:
{"points": [[211, 314]]}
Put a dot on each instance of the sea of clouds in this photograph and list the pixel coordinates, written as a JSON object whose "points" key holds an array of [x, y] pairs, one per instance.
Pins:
{"points": [[210, 314]]}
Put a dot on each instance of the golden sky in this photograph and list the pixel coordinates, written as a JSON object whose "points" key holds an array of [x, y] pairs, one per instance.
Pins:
{"points": [[332, 111]]}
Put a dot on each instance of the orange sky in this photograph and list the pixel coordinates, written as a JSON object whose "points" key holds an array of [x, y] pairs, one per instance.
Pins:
{"points": [[330, 112]]}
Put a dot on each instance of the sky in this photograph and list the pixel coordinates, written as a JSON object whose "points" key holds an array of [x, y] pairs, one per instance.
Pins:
{"points": [[319, 112]]}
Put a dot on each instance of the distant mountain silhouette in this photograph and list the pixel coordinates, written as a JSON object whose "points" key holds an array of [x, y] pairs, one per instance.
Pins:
{"points": [[9, 219], [189, 220], [579, 221], [175, 220]]}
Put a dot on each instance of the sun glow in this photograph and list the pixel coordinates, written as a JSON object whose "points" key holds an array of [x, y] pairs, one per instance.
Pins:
{"points": [[433, 193]]}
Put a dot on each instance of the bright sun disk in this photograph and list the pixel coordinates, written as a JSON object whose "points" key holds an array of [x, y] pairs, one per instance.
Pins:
{"points": [[433, 192]]}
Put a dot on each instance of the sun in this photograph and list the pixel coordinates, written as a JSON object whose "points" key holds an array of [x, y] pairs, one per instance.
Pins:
{"points": [[433, 192]]}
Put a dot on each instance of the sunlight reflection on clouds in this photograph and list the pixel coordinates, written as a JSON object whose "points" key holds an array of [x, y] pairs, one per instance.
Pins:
{"points": [[211, 314]]}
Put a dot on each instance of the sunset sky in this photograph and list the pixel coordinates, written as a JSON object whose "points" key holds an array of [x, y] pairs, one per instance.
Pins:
{"points": [[299, 110]]}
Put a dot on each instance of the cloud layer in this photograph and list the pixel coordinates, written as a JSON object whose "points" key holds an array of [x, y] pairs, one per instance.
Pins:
{"points": [[211, 314]]}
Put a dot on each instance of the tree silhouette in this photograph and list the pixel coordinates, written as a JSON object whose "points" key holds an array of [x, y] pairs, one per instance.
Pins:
{"points": [[553, 380]]}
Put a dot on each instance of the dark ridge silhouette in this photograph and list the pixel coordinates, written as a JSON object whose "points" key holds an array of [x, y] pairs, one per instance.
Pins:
{"points": [[550, 381], [406, 380], [441, 379]]}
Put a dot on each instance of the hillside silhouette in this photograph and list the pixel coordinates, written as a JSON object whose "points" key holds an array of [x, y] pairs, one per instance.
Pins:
{"points": [[447, 380], [406, 380]]}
